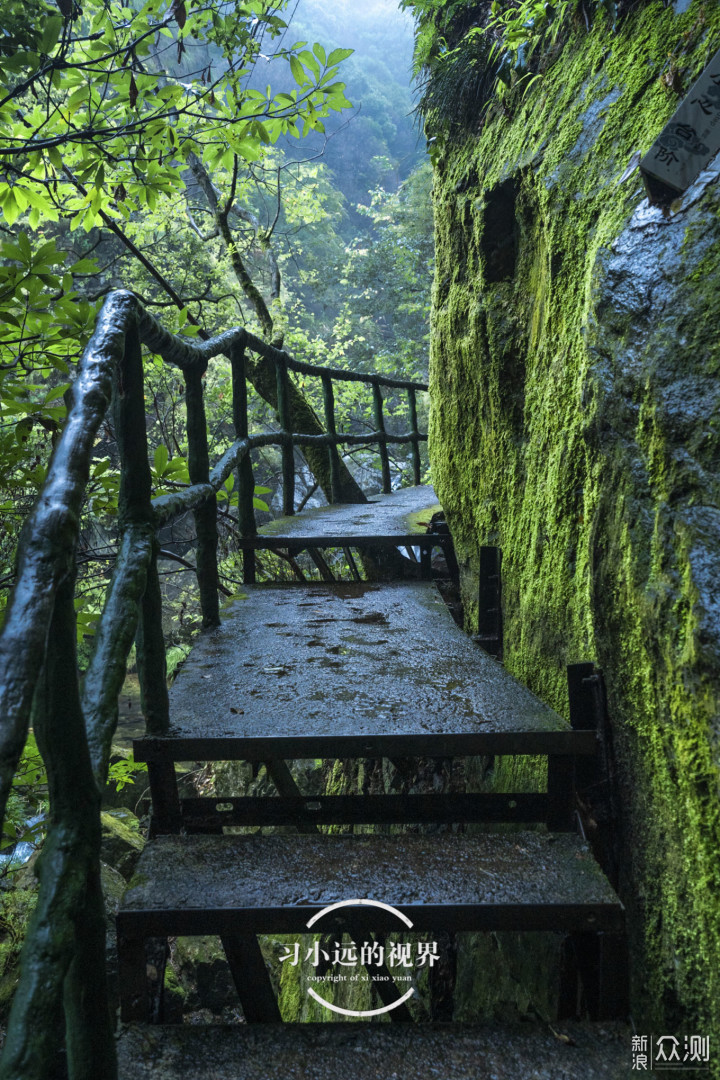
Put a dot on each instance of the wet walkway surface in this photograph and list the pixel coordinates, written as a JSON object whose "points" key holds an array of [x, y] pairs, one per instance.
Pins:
{"points": [[380, 1052], [301, 666], [402, 513], [407, 871], [382, 671]]}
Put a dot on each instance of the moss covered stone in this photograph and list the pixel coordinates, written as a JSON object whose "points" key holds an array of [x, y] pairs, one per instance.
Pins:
{"points": [[121, 840], [202, 974], [574, 386]]}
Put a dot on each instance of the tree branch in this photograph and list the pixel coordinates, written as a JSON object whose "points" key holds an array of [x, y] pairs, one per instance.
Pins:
{"points": [[246, 283]]}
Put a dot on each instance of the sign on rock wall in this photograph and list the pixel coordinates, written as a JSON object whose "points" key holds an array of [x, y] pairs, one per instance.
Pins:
{"points": [[691, 138]]}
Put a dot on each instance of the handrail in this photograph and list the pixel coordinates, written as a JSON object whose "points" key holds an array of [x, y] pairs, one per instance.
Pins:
{"points": [[37, 651]]}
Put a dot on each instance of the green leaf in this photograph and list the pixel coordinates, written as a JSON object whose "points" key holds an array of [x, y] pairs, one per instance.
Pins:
{"points": [[36, 197], [177, 468], [25, 248], [84, 266], [123, 772], [338, 55], [77, 98], [298, 71], [249, 149], [310, 62], [20, 60], [10, 208], [51, 32], [161, 457]]}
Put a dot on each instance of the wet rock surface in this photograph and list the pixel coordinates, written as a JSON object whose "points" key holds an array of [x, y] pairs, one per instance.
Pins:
{"points": [[575, 423], [387, 1052], [202, 974], [121, 840]]}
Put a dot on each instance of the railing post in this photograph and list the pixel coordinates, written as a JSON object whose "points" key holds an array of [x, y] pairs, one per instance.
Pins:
{"points": [[562, 770], [288, 455], [581, 696], [412, 405], [490, 601], [206, 514], [245, 478], [329, 404], [63, 958], [380, 429], [150, 653], [583, 700], [134, 506]]}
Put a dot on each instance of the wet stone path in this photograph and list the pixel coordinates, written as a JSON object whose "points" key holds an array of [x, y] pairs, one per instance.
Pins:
{"points": [[355, 671]]}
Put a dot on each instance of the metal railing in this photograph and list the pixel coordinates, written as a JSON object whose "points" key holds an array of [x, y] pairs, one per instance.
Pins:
{"points": [[63, 961]]}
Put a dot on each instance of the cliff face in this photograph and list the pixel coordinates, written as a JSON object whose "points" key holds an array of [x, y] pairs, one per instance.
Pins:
{"points": [[575, 423]]}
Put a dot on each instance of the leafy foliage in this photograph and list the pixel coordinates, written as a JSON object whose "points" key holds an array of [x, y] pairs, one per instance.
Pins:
{"points": [[96, 193], [99, 118], [98, 115], [111, 120], [25, 821]]}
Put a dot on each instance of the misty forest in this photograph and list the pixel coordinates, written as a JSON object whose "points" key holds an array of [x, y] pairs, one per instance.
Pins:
{"points": [[359, 559]]}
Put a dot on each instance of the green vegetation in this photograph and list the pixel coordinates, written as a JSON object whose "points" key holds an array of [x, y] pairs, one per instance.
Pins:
{"points": [[142, 148], [155, 129]]}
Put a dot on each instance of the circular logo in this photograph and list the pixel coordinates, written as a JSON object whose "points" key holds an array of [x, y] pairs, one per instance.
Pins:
{"points": [[360, 903]]}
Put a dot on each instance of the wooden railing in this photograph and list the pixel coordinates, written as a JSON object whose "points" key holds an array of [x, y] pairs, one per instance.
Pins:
{"points": [[62, 981]]}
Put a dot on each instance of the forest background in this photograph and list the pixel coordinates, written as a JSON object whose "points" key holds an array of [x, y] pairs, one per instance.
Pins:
{"points": [[251, 164]]}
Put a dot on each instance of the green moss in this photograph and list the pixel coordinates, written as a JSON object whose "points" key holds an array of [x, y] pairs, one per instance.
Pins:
{"points": [[16, 907], [574, 422], [174, 995], [296, 1004]]}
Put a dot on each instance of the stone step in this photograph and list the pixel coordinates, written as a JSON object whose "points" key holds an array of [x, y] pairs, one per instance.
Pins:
{"points": [[275, 884], [376, 1052], [348, 670]]}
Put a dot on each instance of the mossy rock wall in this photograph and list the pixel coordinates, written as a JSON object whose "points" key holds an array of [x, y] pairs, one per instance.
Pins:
{"points": [[575, 392]]}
